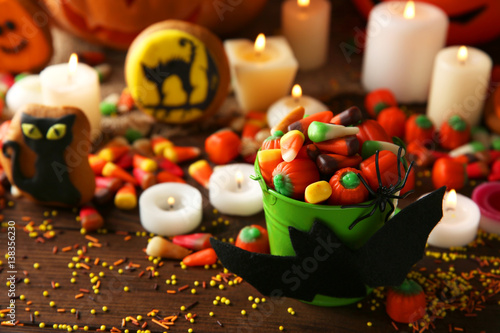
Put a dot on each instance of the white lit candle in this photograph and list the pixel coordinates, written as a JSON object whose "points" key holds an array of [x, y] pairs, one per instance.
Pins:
{"points": [[170, 209], [402, 41], [73, 84], [284, 105], [306, 26], [459, 224], [261, 72], [232, 192], [459, 84], [25, 91]]}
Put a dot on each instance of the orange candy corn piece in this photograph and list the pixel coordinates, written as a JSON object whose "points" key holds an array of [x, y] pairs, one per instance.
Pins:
{"points": [[201, 172], [168, 177], [97, 164], [293, 116], [159, 143], [126, 197], [181, 154], [201, 258], [268, 160], [113, 170], [144, 163], [144, 178], [290, 144], [113, 153]]}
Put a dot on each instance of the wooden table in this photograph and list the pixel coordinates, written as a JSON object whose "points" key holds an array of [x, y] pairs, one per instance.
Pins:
{"points": [[125, 240]]}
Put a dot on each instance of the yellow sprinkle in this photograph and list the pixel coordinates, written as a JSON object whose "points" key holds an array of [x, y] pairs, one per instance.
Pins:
{"points": [[243, 312]]}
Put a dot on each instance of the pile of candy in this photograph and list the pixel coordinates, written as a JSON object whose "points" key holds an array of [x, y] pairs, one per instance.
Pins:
{"points": [[326, 159]]}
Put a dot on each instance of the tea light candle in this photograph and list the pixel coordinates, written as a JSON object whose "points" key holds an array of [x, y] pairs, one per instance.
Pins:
{"points": [[261, 72], [306, 26], [25, 91], [459, 84], [170, 209], [487, 197], [232, 192], [73, 84], [401, 44], [284, 105], [459, 224]]}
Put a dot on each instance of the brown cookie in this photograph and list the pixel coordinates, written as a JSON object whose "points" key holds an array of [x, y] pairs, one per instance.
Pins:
{"points": [[45, 154]]}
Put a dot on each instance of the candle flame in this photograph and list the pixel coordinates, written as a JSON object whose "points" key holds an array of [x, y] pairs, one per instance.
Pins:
{"points": [[171, 202], [409, 12], [296, 91], [239, 179], [72, 64], [462, 54], [303, 3], [451, 200], [260, 44]]}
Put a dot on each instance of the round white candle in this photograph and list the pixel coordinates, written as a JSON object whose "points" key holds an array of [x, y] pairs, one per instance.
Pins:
{"points": [[163, 217], [232, 192], [459, 85], [279, 109], [78, 87], [400, 51], [260, 76], [25, 91], [306, 26], [459, 224]]}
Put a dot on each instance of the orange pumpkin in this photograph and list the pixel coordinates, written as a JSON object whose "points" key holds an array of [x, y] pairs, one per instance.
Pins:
{"points": [[25, 39], [471, 22], [117, 23]]}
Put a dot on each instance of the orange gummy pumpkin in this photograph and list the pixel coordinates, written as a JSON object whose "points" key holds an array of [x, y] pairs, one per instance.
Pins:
{"points": [[292, 178]]}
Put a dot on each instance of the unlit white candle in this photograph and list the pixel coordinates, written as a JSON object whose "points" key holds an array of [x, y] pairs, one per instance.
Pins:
{"points": [[79, 89], [25, 91], [306, 26], [233, 196], [400, 51], [459, 85], [259, 78], [170, 209], [459, 224]]}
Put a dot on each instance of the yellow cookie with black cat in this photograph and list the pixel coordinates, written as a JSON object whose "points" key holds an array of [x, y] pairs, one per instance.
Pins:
{"points": [[177, 72]]}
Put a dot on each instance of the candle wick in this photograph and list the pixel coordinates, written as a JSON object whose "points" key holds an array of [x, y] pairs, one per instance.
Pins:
{"points": [[238, 185]]}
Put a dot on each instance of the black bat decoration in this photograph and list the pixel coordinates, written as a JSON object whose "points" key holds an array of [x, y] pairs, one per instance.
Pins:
{"points": [[324, 265]]}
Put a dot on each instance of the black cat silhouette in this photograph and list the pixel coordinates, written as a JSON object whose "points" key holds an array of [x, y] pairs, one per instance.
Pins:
{"points": [[48, 138], [182, 69]]}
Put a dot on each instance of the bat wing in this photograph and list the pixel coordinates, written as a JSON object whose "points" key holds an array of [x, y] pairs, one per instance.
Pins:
{"points": [[387, 257]]}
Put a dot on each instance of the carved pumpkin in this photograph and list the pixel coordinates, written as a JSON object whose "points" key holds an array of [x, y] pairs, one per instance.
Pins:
{"points": [[116, 23], [471, 22], [25, 40]]}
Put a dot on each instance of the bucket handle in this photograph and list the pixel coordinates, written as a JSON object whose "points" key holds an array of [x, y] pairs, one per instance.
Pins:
{"points": [[261, 181]]}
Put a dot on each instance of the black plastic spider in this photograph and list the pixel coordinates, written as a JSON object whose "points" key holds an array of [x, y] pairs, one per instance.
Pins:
{"points": [[383, 195]]}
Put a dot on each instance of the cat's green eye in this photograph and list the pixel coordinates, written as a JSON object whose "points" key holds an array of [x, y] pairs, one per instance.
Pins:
{"points": [[31, 131], [56, 132]]}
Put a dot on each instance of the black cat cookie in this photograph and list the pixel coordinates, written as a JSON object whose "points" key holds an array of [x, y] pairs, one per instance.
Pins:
{"points": [[45, 154], [177, 72]]}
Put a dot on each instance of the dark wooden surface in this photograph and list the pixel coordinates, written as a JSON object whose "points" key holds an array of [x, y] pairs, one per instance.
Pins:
{"points": [[338, 85]]}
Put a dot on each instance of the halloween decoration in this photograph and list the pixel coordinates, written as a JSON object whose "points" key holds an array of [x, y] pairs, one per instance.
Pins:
{"points": [[117, 23], [25, 39], [177, 72], [45, 154], [471, 22], [383, 260]]}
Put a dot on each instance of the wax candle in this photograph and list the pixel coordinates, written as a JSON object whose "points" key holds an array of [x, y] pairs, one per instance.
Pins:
{"points": [[261, 72], [459, 84], [487, 197], [459, 224], [74, 84], [401, 43], [170, 209], [284, 105], [25, 91], [306, 26], [232, 192]]}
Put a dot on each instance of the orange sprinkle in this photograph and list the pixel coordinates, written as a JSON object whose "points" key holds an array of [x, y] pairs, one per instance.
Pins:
{"points": [[75, 246], [170, 318], [7, 323], [4, 310], [98, 284], [96, 261], [96, 244], [184, 287], [53, 284], [78, 296], [141, 273], [84, 265], [61, 310], [171, 291], [216, 278], [118, 262], [144, 325], [84, 290], [395, 326], [29, 302], [40, 240], [160, 324], [27, 309], [92, 239], [26, 218], [459, 329], [127, 238], [54, 250], [66, 248]]}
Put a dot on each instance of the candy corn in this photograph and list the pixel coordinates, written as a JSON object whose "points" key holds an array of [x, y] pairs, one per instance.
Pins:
{"points": [[201, 258], [126, 160], [201, 172], [290, 144], [319, 131], [144, 163], [170, 166], [178, 154], [90, 218], [348, 145], [268, 160], [168, 177], [126, 102], [144, 178], [348, 117], [96, 164], [293, 116], [106, 189], [197, 241], [471, 147], [329, 163], [161, 247], [159, 143], [113, 170], [303, 124], [126, 197], [370, 147], [318, 192], [113, 153]]}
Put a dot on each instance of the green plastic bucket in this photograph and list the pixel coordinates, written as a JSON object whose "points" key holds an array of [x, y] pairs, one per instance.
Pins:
{"points": [[282, 212]]}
